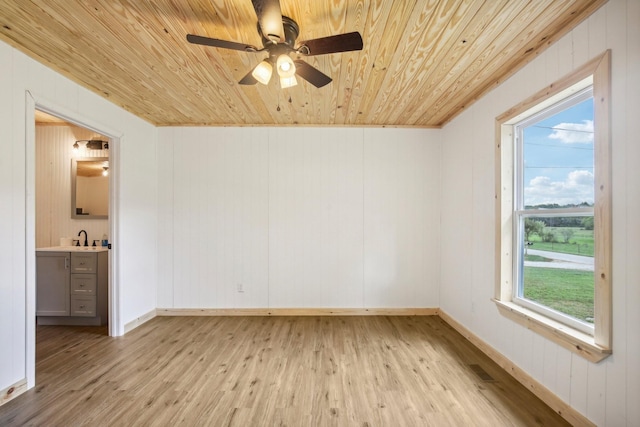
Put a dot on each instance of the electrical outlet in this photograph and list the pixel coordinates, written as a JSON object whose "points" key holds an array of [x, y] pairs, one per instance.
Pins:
{"points": [[240, 287]]}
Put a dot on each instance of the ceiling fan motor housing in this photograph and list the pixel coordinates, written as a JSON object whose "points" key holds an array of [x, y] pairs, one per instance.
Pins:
{"points": [[291, 31]]}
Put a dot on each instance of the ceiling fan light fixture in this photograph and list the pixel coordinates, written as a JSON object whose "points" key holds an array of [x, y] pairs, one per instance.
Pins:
{"points": [[262, 72], [285, 66], [286, 82], [279, 34]]}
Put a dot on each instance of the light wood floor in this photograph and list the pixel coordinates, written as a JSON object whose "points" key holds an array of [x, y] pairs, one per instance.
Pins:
{"points": [[271, 371]]}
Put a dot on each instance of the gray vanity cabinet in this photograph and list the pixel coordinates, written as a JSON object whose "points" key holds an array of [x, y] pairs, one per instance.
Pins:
{"points": [[72, 288], [52, 288]]}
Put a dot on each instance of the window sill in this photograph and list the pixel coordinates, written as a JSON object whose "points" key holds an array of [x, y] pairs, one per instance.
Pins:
{"points": [[571, 339]]}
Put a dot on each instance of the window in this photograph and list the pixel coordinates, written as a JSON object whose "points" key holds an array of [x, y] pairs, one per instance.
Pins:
{"points": [[553, 208], [553, 211]]}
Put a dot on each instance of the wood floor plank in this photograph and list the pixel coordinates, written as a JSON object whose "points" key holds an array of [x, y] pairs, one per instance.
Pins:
{"points": [[254, 371]]}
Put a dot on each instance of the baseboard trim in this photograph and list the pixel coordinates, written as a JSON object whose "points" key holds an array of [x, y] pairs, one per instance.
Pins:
{"points": [[297, 312], [547, 396], [130, 326], [13, 391]]}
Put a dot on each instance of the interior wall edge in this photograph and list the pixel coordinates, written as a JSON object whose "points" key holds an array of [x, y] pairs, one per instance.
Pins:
{"points": [[139, 321]]}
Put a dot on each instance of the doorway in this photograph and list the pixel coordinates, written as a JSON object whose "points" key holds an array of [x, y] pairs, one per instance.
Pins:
{"points": [[39, 106], [72, 223]]}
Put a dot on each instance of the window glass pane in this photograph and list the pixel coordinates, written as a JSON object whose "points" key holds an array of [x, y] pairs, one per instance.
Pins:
{"points": [[558, 264], [558, 163]]}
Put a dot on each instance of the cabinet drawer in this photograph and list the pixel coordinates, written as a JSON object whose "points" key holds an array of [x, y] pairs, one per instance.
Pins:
{"points": [[83, 306], [83, 262], [83, 284]]}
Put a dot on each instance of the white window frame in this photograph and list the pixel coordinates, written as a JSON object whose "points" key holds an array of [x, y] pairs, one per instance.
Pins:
{"points": [[521, 213], [591, 343]]}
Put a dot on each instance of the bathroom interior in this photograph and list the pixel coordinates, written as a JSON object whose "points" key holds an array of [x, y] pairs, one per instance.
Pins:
{"points": [[72, 224]]}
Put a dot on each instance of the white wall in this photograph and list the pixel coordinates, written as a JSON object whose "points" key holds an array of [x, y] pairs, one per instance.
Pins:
{"points": [[608, 393], [301, 217], [53, 186], [137, 203]]}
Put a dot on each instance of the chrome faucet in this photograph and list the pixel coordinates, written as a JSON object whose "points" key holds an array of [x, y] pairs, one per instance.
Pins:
{"points": [[86, 242]]}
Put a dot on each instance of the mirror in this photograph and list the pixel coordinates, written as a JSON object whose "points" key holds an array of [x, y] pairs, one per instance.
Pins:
{"points": [[90, 188]]}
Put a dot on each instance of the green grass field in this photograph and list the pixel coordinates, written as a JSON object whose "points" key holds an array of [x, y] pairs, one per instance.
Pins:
{"points": [[567, 291], [581, 243], [536, 258]]}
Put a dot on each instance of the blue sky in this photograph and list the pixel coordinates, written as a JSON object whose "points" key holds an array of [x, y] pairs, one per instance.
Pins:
{"points": [[558, 157]]}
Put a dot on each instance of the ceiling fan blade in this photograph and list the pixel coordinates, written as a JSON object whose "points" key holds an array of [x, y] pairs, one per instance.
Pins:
{"points": [[207, 41], [270, 19], [248, 79], [311, 74], [332, 44]]}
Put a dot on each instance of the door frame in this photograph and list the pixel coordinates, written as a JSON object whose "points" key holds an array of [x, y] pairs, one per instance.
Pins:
{"points": [[33, 103]]}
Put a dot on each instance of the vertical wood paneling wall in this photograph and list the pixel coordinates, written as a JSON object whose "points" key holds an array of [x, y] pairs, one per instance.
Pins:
{"points": [[12, 226], [299, 217], [53, 185], [608, 393], [137, 211]]}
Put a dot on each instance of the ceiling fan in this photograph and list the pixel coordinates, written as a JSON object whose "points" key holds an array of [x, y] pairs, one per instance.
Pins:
{"points": [[279, 35]]}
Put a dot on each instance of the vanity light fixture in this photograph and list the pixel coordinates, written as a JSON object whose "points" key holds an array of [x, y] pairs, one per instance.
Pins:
{"points": [[92, 144], [76, 147], [105, 171]]}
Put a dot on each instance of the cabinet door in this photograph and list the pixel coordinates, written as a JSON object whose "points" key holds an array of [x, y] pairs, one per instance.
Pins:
{"points": [[52, 283]]}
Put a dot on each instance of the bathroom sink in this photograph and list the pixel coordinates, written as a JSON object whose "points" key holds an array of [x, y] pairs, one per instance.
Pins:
{"points": [[83, 248], [73, 249]]}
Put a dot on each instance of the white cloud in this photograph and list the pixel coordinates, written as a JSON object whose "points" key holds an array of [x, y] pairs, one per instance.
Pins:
{"points": [[580, 178], [574, 133], [576, 188]]}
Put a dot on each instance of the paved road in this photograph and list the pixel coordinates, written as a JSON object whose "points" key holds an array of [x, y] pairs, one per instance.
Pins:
{"points": [[565, 261]]}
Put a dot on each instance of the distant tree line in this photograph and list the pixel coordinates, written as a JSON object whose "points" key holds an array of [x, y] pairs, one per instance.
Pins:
{"points": [[538, 226], [557, 206]]}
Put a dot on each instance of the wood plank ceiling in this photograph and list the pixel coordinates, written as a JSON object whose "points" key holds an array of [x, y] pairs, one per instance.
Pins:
{"points": [[423, 61]]}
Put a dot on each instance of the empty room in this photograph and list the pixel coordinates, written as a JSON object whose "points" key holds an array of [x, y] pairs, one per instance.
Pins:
{"points": [[347, 213]]}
